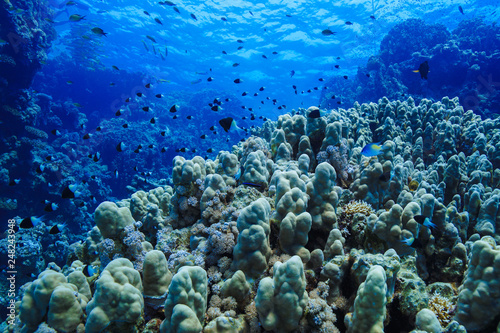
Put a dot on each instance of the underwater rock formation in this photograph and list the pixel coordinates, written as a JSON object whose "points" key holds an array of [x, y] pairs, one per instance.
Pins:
{"points": [[292, 246]]}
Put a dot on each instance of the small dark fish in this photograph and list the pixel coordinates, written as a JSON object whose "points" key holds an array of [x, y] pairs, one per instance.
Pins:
{"points": [[152, 120], [240, 47], [209, 150], [177, 10], [30, 222], [274, 52], [223, 19], [425, 221], [210, 79], [86, 136], [348, 23], [163, 133], [372, 17], [386, 176], [203, 136], [145, 109], [40, 168], [56, 229], [125, 125], [50, 207], [237, 81], [314, 114], [98, 31], [148, 85], [115, 68], [158, 95], [55, 132], [175, 117], [194, 17], [98, 129], [367, 75], [236, 64], [145, 12], [461, 9], [70, 192], [345, 77], [127, 100], [226, 123], [118, 113], [244, 93], [189, 117], [173, 108], [250, 12], [212, 128], [151, 38], [163, 150], [264, 56], [259, 187], [76, 17], [292, 73], [337, 66], [120, 147], [423, 69], [157, 20], [139, 94], [224, 52], [239, 41], [89, 270], [327, 32]]}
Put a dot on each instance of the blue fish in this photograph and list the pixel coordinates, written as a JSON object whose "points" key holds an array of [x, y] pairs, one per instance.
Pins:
{"points": [[372, 149], [425, 221]]}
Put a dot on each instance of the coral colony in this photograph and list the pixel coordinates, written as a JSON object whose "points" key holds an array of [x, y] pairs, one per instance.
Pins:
{"points": [[376, 211]]}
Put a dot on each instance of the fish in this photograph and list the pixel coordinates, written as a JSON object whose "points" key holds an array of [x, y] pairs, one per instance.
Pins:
{"points": [[194, 17], [115, 68], [262, 88], [274, 52], [76, 17], [163, 150], [30, 222], [224, 52], [89, 270], [259, 187], [177, 10], [425, 221], [204, 136], [386, 176], [216, 108], [70, 191], [240, 47], [56, 229], [96, 157], [151, 38], [50, 207], [250, 12], [372, 17], [238, 174], [210, 79], [174, 108], [145, 109], [98, 31], [148, 85], [78, 105], [461, 10], [223, 19], [237, 81], [189, 117], [87, 136], [120, 147], [40, 168], [348, 23], [345, 77], [158, 95], [292, 73], [157, 20], [229, 124], [372, 149], [55, 132], [125, 125], [118, 113], [152, 120], [139, 94], [209, 150], [423, 69], [70, 3], [337, 66], [264, 56], [116, 173], [415, 243], [236, 64], [327, 32], [145, 12]]}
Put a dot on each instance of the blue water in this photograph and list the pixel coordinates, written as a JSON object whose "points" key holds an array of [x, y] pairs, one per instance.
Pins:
{"points": [[284, 63]]}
